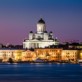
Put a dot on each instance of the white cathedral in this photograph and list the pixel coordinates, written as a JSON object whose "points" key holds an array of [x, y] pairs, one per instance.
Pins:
{"points": [[41, 38]]}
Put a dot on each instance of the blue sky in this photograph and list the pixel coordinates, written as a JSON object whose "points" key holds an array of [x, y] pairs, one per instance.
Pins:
{"points": [[18, 17]]}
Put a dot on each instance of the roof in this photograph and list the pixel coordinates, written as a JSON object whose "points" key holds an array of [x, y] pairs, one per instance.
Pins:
{"points": [[45, 31], [51, 32], [41, 21], [10, 49], [31, 31]]}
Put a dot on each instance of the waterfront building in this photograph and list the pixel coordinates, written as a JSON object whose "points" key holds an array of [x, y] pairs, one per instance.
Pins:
{"points": [[49, 54], [28, 55], [17, 55], [41, 38], [70, 55], [44, 54], [80, 57], [14, 54]]}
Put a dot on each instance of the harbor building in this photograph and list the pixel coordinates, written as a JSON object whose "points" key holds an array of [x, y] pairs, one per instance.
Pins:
{"points": [[44, 54], [14, 54], [49, 54], [70, 55]]}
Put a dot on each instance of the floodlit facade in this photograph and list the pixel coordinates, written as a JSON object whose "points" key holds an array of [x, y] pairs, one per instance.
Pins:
{"points": [[41, 38], [17, 55], [45, 54], [14, 54], [80, 55], [70, 55], [28, 55], [49, 54]]}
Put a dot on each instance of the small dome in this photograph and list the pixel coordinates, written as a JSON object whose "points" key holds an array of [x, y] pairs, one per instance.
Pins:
{"points": [[50, 31], [45, 31], [31, 31], [41, 21]]}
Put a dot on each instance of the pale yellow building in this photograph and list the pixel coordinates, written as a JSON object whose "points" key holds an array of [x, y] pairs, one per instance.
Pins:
{"points": [[50, 54], [46, 54], [80, 56], [14, 54], [28, 55], [70, 55], [17, 55]]}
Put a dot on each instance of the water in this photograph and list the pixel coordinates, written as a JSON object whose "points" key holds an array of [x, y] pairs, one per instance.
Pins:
{"points": [[40, 72]]}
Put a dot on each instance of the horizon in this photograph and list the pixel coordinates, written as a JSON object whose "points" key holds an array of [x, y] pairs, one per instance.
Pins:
{"points": [[18, 18]]}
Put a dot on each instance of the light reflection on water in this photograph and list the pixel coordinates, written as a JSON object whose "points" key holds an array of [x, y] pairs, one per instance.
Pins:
{"points": [[41, 71]]}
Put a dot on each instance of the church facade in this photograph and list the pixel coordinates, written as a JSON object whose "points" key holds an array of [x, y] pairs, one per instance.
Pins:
{"points": [[41, 38]]}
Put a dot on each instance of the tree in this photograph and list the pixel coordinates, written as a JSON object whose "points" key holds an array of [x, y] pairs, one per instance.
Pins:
{"points": [[10, 60]]}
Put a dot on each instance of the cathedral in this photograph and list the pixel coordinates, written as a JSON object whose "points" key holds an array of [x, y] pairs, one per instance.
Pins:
{"points": [[41, 38]]}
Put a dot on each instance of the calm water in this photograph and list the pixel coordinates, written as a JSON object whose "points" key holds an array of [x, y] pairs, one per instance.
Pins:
{"points": [[41, 72]]}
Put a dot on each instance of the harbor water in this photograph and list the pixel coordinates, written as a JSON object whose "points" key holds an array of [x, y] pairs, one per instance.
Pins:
{"points": [[40, 72]]}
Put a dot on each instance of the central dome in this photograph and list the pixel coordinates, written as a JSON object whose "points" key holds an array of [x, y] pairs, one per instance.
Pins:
{"points": [[41, 21]]}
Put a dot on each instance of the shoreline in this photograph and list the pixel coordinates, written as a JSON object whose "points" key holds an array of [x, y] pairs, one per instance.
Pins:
{"points": [[39, 63]]}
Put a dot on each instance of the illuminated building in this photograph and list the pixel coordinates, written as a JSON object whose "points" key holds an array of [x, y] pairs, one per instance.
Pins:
{"points": [[70, 55], [28, 55], [81, 55], [45, 54], [49, 54], [17, 55], [41, 38], [14, 54]]}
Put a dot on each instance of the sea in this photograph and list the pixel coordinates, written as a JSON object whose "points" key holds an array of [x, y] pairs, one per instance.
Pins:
{"points": [[40, 72]]}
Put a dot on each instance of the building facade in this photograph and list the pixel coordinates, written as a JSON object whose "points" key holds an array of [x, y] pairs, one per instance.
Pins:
{"points": [[41, 38], [49, 54], [28, 55], [70, 55], [44, 54], [14, 54]]}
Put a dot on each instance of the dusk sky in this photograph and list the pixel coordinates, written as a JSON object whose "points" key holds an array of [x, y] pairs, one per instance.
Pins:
{"points": [[18, 17]]}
